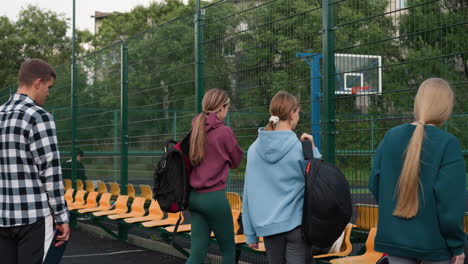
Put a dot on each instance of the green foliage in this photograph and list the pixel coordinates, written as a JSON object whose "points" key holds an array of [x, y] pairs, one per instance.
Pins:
{"points": [[118, 27], [8, 46], [37, 34]]}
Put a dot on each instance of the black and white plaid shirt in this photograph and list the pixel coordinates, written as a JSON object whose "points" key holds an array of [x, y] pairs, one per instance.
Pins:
{"points": [[30, 175]]}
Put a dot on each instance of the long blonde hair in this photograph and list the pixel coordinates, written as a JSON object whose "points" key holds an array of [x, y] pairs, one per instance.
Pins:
{"points": [[282, 105], [433, 105], [212, 103]]}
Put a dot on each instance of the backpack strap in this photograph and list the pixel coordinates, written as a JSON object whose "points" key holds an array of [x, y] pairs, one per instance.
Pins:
{"points": [[307, 149], [170, 141], [185, 144]]}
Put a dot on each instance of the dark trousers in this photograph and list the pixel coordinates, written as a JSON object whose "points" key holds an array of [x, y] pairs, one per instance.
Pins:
{"points": [[288, 248], [26, 244]]}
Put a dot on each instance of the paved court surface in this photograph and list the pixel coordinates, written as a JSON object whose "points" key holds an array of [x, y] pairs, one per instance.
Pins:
{"points": [[86, 248]]}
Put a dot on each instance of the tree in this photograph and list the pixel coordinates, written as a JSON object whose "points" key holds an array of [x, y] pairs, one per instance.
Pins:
{"points": [[436, 46], [37, 34], [43, 35], [118, 27], [8, 50]]}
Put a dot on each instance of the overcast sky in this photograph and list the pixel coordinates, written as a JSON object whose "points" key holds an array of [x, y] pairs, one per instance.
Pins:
{"points": [[84, 8]]}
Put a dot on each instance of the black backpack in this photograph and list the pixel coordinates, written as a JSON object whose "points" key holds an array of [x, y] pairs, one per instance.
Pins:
{"points": [[172, 177], [383, 260], [327, 201]]}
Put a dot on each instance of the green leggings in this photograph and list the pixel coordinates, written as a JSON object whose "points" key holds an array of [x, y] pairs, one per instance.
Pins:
{"points": [[211, 212]]}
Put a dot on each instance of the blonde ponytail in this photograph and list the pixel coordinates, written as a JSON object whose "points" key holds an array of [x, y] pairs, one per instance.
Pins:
{"points": [[407, 187], [198, 140], [213, 101], [433, 105]]}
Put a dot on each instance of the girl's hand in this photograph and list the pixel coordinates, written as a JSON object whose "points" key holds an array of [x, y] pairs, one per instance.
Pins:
{"points": [[254, 245], [308, 137], [458, 259]]}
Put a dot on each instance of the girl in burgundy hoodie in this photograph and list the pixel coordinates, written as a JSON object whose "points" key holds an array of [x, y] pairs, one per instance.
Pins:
{"points": [[213, 150]]}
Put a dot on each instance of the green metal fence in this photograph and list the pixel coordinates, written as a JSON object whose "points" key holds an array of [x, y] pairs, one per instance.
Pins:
{"points": [[416, 41], [353, 64]]}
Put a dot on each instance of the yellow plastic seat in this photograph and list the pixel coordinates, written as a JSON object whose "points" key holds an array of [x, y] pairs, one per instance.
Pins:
{"points": [[370, 257], [346, 247], [120, 207], [90, 186], [114, 189], [155, 213], [235, 218], [79, 185], [130, 191], [240, 239], [102, 188], [367, 216], [137, 210], [104, 205], [91, 202], [234, 201], [235, 221], [170, 220], [67, 184], [188, 227], [181, 229], [79, 199], [69, 196], [146, 192]]}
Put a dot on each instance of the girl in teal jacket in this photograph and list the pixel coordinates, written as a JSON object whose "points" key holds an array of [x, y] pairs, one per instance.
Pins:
{"points": [[418, 179]]}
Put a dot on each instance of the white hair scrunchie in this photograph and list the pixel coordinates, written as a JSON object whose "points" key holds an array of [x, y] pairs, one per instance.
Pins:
{"points": [[274, 119]]}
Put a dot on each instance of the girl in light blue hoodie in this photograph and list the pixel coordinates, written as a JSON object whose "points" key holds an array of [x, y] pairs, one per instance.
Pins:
{"points": [[274, 185]]}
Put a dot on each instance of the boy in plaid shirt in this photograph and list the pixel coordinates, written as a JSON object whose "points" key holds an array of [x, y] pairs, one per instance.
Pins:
{"points": [[31, 189]]}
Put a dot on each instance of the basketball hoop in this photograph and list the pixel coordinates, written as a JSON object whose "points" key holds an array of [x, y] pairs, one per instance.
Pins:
{"points": [[357, 89]]}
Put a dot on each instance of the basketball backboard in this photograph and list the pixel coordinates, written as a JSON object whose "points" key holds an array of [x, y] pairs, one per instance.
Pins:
{"points": [[358, 74]]}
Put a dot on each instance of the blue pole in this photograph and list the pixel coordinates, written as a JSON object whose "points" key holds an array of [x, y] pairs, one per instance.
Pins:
{"points": [[316, 103], [313, 60]]}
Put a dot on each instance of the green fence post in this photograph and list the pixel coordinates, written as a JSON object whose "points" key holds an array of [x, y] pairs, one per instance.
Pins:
{"points": [[174, 125], [372, 138], [199, 89], [74, 105], [116, 144], [228, 123], [122, 228], [74, 102], [328, 115]]}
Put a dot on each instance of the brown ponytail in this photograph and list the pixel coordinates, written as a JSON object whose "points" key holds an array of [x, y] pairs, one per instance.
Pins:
{"points": [[433, 104], [212, 103], [281, 106], [270, 126]]}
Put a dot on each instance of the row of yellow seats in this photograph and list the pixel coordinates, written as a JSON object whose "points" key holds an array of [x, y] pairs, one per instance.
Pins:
{"points": [[145, 190], [235, 203], [119, 210], [368, 214], [236, 206], [155, 218]]}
